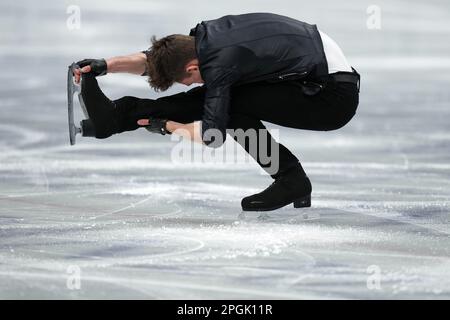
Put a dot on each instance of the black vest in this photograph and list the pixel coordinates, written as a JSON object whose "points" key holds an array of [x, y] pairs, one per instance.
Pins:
{"points": [[261, 46], [239, 49]]}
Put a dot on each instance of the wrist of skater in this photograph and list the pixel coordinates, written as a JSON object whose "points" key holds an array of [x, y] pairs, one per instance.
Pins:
{"points": [[154, 125], [114, 65], [191, 130], [171, 126]]}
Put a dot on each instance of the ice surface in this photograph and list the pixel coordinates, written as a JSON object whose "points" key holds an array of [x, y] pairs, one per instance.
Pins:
{"points": [[139, 226]]}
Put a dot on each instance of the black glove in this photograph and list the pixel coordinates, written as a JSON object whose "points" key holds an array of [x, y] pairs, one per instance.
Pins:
{"points": [[157, 126], [98, 66]]}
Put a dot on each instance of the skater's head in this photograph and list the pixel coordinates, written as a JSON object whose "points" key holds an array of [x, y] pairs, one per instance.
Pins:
{"points": [[172, 59]]}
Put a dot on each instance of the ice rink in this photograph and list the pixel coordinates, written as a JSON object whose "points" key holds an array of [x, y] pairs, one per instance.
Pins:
{"points": [[117, 218]]}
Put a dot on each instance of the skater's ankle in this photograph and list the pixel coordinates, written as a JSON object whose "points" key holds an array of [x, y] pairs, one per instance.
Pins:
{"points": [[101, 110], [293, 170]]}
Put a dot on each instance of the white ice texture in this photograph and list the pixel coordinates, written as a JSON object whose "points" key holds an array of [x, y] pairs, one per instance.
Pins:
{"points": [[115, 218]]}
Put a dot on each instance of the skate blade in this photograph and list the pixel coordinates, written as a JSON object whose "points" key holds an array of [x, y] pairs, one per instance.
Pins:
{"points": [[72, 89]]}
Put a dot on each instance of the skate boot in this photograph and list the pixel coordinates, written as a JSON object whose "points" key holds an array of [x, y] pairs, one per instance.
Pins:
{"points": [[87, 128], [292, 186], [102, 122], [99, 111]]}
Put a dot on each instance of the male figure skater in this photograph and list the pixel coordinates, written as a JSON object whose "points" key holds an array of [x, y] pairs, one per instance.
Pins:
{"points": [[255, 67]]}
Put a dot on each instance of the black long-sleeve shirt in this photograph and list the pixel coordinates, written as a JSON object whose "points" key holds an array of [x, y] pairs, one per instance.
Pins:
{"points": [[238, 49]]}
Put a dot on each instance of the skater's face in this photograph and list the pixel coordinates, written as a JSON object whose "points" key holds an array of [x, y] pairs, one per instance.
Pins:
{"points": [[192, 69]]}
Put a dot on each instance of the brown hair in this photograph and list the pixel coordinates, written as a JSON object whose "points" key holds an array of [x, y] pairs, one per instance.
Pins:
{"points": [[167, 59]]}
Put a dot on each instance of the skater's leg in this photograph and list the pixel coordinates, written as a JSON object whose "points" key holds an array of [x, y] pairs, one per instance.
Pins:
{"points": [[253, 136], [285, 104], [99, 108], [110, 117], [183, 107], [291, 183]]}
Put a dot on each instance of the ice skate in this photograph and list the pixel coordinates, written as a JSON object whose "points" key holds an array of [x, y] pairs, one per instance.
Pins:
{"points": [[86, 128], [292, 186]]}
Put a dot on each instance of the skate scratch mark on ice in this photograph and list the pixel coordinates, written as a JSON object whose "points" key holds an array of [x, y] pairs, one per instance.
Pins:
{"points": [[37, 194], [120, 261], [133, 205], [374, 214], [60, 254], [40, 203], [310, 261], [149, 258], [312, 264], [383, 255], [27, 136], [123, 284], [292, 277], [136, 289], [64, 148], [161, 283]]}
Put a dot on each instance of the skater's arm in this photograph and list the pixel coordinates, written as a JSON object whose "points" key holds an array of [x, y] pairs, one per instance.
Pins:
{"points": [[191, 130], [133, 63]]}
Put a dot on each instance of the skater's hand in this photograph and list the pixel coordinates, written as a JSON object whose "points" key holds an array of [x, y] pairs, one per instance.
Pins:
{"points": [[155, 125], [188, 130], [97, 66], [143, 122], [77, 73]]}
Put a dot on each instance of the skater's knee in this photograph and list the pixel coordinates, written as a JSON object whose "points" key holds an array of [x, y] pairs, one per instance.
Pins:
{"points": [[126, 106], [126, 101], [339, 122], [239, 120]]}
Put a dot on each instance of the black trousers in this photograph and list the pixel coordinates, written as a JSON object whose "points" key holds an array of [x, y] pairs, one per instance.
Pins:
{"points": [[282, 103]]}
